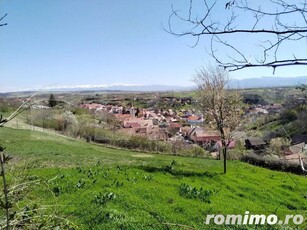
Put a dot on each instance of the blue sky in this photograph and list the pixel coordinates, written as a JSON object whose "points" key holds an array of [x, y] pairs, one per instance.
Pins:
{"points": [[74, 42]]}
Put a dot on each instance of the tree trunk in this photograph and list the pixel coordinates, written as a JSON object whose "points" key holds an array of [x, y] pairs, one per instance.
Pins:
{"points": [[5, 191], [224, 148], [225, 158]]}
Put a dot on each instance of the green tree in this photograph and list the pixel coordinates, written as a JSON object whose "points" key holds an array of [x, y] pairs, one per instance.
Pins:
{"points": [[52, 101]]}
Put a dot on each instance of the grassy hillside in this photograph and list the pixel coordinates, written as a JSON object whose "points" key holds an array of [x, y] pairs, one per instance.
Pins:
{"points": [[102, 188]]}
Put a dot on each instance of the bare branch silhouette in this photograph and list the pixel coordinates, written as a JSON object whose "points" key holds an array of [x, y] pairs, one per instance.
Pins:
{"points": [[3, 24], [277, 22]]}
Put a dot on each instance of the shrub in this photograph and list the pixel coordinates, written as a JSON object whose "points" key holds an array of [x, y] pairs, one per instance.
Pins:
{"points": [[194, 150], [4, 108], [80, 111], [273, 164], [277, 144], [289, 115], [70, 123]]}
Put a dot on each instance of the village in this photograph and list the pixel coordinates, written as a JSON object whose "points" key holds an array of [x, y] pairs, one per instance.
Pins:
{"points": [[176, 120], [189, 126]]}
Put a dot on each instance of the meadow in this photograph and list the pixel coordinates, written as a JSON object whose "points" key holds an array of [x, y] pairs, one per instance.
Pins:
{"points": [[97, 187]]}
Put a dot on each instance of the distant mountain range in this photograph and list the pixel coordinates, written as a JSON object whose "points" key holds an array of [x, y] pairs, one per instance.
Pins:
{"points": [[120, 87], [234, 83], [267, 82]]}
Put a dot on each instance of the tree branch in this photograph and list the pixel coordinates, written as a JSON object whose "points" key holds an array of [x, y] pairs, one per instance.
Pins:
{"points": [[3, 24], [281, 22]]}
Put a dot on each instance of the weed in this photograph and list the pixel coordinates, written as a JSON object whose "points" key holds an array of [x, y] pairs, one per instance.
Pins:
{"points": [[56, 191], [148, 178], [103, 198], [80, 184], [190, 192]]}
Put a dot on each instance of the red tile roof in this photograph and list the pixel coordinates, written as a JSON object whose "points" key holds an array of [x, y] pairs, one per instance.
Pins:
{"points": [[231, 145], [175, 125], [193, 118]]}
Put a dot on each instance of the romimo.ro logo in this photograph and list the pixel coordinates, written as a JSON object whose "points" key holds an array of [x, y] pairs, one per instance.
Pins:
{"points": [[253, 219]]}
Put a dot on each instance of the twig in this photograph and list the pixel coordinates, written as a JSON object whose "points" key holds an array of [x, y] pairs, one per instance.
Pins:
{"points": [[3, 160], [281, 29]]}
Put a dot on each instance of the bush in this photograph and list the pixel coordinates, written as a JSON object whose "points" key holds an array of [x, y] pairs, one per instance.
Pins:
{"points": [[194, 150], [80, 111], [53, 119], [4, 108], [71, 124], [289, 115], [273, 164], [277, 144]]}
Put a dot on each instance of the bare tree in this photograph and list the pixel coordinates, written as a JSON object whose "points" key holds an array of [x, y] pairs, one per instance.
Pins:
{"points": [[220, 106], [270, 27]]}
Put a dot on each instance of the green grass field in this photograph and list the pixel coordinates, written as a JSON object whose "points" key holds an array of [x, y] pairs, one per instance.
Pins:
{"points": [[103, 188]]}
